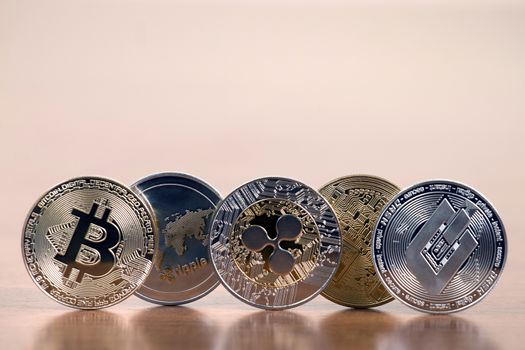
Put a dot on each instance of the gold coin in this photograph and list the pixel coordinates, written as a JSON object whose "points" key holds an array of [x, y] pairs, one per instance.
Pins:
{"points": [[89, 242], [357, 201]]}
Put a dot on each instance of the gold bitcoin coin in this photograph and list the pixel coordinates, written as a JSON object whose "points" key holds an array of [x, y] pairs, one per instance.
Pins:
{"points": [[88, 243], [357, 201]]}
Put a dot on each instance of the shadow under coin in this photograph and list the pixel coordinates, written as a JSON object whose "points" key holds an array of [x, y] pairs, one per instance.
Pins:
{"points": [[355, 329], [83, 330], [270, 330], [173, 327], [438, 332]]}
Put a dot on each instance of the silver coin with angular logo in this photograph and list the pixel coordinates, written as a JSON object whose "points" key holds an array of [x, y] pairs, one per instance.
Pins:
{"points": [[183, 207], [275, 243], [439, 246], [89, 242]]}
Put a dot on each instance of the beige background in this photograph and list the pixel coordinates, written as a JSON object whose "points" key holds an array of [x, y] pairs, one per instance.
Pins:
{"points": [[233, 90]]}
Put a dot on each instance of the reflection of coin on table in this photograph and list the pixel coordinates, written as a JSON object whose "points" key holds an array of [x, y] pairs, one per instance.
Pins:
{"points": [[437, 332], [355, 329], [83, 330], [183, 206], [172, 328], [271, 330]]}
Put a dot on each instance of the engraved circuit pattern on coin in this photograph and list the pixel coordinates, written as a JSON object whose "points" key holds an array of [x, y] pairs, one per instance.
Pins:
{"points": [[357, 201], [275, 243], [88, 243], [183, 207], [439, 246]]}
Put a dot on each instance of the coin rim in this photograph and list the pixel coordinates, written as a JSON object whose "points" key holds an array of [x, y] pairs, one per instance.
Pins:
{"points": [[495, 212], [324, 293], [303, 301], [141, 199], [135, 189]]}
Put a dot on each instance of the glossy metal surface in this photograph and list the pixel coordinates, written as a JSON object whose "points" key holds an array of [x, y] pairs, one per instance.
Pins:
{"points": [[183, 206], [439, 246], [88, 242], [357, 201], [275, 243]]}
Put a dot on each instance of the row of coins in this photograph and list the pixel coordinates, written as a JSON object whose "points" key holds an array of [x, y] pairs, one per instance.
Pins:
{"points": [[275, 243]]}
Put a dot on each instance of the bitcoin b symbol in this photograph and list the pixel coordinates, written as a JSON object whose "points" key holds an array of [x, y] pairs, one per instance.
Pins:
{"points": [[90, 245]]}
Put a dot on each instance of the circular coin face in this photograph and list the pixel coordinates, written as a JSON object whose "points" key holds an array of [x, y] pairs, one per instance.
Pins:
{"points": [[275, 243], [88, 242], [183, 207], [439, 246], [357, 201]]}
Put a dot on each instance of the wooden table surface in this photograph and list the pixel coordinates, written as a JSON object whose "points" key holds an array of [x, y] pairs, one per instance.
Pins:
{"points": [[30, 320]]}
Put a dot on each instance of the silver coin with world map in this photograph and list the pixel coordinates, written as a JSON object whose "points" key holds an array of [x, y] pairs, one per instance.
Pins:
{"points": [[275, 243], [89, 242], [183, 206], [439, 246]]}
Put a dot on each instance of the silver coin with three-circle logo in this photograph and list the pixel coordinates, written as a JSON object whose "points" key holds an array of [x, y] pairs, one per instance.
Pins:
{"points": [[439, 246], [275, 243], [88, 243]]}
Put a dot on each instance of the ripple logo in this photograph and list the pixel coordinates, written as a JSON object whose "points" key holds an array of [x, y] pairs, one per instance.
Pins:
{"points": [[256, 238]]}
